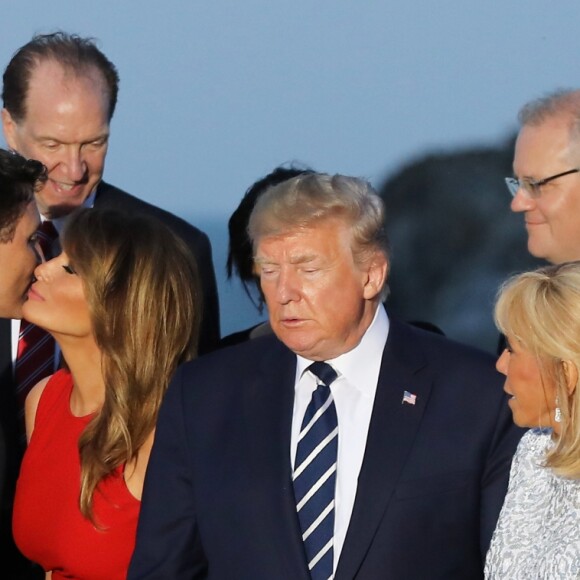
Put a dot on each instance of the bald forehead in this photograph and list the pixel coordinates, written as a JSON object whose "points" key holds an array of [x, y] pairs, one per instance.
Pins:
{"points": [[51, 78], [50, 72], [553, 139]]}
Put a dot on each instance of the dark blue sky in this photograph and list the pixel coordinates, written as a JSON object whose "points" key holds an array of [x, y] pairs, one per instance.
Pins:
{"points": [[215, 94]]}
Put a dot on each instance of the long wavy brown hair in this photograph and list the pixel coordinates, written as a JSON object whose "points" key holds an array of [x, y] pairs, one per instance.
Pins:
{"points": [[142, 287]]}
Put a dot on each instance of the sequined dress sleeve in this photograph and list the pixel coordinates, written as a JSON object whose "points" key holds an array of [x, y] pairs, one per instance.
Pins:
{"points": [[538, 531]]}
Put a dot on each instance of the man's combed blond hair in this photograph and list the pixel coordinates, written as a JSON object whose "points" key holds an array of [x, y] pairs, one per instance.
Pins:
{"points": [[305, 200]]}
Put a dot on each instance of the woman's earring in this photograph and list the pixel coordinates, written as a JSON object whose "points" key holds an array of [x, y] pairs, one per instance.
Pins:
{"points": [[557, 412]]}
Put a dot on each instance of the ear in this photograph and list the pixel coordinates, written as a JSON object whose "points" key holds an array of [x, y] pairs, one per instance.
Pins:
{"points": [[376, 272], [571, 372], [9, 129]]}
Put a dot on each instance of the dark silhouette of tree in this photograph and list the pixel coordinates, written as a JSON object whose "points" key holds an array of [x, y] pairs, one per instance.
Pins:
{"points": [[454, 239]]}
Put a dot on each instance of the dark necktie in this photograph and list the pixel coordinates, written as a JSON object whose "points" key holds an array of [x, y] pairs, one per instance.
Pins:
{"points": [[315, 474], [35, 354]]}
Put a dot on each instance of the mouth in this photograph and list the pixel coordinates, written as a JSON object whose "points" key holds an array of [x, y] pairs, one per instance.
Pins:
{"points": [[67, 189], [291, 322], [531, 223], [33, 294]]}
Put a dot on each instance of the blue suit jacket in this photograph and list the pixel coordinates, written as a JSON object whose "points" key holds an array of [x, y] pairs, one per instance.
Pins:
{"points": [[218, 500], [197, 241]]}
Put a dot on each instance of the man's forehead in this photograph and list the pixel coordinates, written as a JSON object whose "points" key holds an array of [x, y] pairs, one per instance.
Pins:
{"points": [[50, 69], [304, 245], [549, 141], [556, 126], [49, 77]]}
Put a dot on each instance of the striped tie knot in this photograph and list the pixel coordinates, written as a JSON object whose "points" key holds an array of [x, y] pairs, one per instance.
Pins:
{"points": [[46, 234], [323, 371], [35, 353], [314, 475]]}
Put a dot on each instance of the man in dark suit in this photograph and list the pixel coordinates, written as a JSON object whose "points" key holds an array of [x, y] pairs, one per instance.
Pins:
{"points": [[59, 94], [387, 458], [18, 257]]}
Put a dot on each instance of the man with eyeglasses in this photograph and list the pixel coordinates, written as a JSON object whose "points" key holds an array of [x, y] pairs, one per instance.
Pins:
{"points": [[546, 182]]}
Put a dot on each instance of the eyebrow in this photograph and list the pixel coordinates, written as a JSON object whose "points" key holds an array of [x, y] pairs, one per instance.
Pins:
{"points": [[298, 259], [101, 137]]}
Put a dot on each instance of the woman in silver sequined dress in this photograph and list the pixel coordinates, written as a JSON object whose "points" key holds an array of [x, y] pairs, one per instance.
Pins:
{"points": [[538, 531]]}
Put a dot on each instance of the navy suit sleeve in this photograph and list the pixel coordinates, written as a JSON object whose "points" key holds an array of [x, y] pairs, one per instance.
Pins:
{"points": [[198, 242], [167, 543], [496, 473]]}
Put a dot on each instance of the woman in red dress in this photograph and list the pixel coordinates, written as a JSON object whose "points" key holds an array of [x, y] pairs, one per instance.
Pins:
{"points": [[122, 301]]}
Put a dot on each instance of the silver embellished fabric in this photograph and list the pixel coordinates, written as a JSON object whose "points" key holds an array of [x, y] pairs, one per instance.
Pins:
{"points": [[538, 531]]}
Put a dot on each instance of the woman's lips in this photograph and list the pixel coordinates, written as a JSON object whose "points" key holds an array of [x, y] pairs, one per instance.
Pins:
{"points": [[33, 294]]}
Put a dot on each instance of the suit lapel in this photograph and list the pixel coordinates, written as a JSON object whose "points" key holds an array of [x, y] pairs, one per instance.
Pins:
{"points": [[6, 350], [272, 402], [392, 430]]}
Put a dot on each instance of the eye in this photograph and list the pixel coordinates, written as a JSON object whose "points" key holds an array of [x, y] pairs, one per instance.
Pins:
{"points": [[68, 269], [97, 143], [266, 269], [51, 145]]}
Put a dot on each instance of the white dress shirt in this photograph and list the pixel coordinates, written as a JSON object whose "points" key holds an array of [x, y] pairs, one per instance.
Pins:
{"points": [[354, 394]]}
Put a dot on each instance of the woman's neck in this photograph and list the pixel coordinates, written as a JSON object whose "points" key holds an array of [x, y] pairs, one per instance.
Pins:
{"points": [[84, 361]]}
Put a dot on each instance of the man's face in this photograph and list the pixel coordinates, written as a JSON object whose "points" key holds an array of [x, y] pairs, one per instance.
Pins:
{"points": [[17, 262], [320, 302], [552, 219], [67, 128]]}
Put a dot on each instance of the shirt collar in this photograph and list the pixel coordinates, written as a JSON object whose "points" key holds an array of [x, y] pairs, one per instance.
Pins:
{"points": [[59, 222], [361, 365]]}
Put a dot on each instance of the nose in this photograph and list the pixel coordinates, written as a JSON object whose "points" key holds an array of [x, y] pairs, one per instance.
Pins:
{"points": [[502, 362], [522, 201], [75, 163], [41, 269], [287, 288], [44, 269]]}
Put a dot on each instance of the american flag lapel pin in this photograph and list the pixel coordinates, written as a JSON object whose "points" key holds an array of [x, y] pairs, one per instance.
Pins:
{"points": [[409, 398]]}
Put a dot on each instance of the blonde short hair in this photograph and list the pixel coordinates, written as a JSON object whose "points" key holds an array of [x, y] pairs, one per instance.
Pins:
{"points": [[541, 310]]}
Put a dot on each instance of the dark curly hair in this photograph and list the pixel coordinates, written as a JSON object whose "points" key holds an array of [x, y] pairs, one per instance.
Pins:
{"points": [[19, 179]]}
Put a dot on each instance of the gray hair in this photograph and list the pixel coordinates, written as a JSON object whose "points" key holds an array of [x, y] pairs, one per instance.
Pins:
{"points": [[561, 102]]}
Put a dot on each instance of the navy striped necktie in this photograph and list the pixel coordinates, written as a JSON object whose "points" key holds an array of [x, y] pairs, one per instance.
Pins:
{"points": [[35, 354], [315, 474]]}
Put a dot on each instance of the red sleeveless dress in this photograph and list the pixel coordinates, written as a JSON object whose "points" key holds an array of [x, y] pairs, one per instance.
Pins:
{"points": [[47, 524]]}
